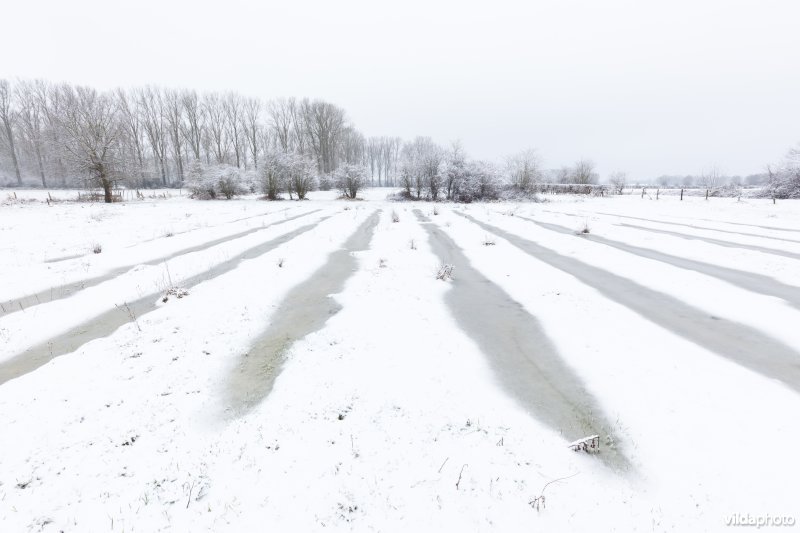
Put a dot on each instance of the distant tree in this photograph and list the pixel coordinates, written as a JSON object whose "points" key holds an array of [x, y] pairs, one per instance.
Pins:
{"points": [[32, 120], [150, 106], [618, 181], [251, 126], [583, 172], [173, 111], [784, 180], [524, 170], [8, 116], [454, 171], [563, 175], [711, 178], [483, 181]]}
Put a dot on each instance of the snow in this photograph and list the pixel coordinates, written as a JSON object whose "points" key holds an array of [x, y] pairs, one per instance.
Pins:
{"points": [[389, 417]]}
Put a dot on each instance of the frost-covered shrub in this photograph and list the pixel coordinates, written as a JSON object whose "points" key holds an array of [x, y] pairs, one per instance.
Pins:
{"points": [[350, 179], [269, 176], [299, 173], [483, 181], [286, 172], [209, 182], [198, 182], [326, 182], [785, 181]]}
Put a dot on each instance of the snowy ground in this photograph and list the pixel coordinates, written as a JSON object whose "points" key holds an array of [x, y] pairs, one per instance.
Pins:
{"points": [[400, 402]]}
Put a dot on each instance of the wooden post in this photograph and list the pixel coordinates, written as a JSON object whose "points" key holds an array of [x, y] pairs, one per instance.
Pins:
{"points": [[657, 191], [706, 194], [642, 192], [681, 195]]}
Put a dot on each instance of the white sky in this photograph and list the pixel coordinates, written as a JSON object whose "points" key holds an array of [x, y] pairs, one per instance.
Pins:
{"points": [[667, 87]]}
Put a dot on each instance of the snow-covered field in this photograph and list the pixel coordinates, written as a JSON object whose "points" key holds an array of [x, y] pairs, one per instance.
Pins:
{"points": [[316, 375]]}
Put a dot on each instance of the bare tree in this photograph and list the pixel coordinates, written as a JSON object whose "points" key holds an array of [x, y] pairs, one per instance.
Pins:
{"points": [[323, 123], [455, 170], [193, 119], [150, 106], [618, 180], [583, 172], [711, 178], [173, 110], [216, 132], [91, 131], [251, 126], [281, 114], [232, 107], [524, 169], [31, 116], [133, 129], [8, 116]]}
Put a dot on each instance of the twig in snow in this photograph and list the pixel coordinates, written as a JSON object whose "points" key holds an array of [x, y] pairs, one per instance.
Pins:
{"points": [[459, 476], [188, 501], [131, 314], [539, 500], [440, 468]]}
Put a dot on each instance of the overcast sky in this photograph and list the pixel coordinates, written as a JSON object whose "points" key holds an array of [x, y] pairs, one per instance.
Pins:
{"points": [[668, 87]]}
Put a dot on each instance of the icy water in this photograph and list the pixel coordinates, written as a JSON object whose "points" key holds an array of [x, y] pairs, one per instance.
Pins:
{"points": [[64, 291], [520, 353], [718, 242], [106, 323], [304, 310], [750, 281], [740, 343]]}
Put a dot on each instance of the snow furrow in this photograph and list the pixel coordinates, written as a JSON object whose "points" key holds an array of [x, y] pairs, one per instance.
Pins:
{"points": [[718, 242], [703, 228], [739, 342], [750, 281], [23, 303], [108, 321]]}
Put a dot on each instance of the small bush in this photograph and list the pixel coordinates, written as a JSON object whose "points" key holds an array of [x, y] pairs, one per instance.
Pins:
{"points": [[97, 248], [395, 216]]}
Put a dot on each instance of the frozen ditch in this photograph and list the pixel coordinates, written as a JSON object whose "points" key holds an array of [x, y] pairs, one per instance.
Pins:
{"points": [[727, 244], [737, 342], [66, 290], [525, 361], [704, 228], [746, 280], [106, 323], [302, 312]]}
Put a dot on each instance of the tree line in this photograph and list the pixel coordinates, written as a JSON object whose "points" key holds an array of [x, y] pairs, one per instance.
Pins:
{"points": [[222, 144]]}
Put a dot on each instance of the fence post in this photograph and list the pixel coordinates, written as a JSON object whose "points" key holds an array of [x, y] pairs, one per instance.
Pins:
{"points": [[681, 195], [657, 191], [642, 193], [706, 194]]}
